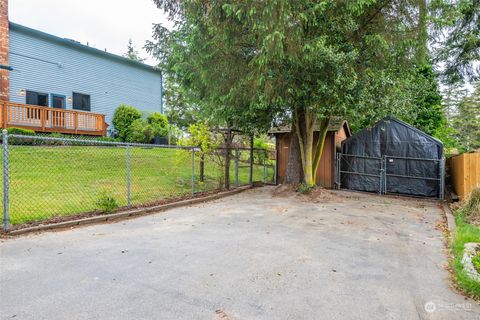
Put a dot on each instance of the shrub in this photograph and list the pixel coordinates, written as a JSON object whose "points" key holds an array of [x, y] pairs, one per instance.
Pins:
{"points": [[159, 124], [21, 131], [106, 202], [471, 208], [140, 132], [123, 118]]}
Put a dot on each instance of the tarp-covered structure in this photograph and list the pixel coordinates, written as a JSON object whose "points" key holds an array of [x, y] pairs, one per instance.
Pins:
{"points": [[392, 157]]}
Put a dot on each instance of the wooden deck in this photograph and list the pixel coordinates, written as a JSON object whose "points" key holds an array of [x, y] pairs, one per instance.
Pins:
{"points": [[45, 119]]}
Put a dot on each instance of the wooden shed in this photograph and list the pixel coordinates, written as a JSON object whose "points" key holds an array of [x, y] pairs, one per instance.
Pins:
{"points": [[338, 130]]}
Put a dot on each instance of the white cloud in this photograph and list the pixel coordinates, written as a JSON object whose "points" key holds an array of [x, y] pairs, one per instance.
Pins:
{"points": [[100, 23]]}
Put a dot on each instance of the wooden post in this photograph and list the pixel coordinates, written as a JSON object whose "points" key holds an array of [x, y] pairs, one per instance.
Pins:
{"points": [[103, 125], [75, 122], [228, 142], [43, 114], [4, 115]]}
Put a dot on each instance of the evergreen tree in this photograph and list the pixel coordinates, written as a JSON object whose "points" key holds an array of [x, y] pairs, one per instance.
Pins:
{"points": [[132, 53]]}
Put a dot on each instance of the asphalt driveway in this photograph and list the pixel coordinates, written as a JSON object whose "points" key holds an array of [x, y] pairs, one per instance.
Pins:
{"points": [[255, 255]]}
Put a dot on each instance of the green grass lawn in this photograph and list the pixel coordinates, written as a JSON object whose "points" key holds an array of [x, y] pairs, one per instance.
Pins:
{"points": [[46, 182], [464, 233]]}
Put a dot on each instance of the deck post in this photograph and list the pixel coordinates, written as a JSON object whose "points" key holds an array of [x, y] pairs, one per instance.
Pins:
{"points": [[75, 122], [6, 217], [42, 118]]}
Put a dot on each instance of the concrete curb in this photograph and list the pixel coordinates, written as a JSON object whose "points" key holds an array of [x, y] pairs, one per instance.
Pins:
{"points": [[450, 218], [126, 214]]}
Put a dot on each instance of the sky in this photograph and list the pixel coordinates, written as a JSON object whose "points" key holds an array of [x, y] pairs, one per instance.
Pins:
{"points": [[102, 23]]}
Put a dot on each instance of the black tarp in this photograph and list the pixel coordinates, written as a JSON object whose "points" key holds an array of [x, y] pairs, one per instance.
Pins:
{"points": [[412, 159]]}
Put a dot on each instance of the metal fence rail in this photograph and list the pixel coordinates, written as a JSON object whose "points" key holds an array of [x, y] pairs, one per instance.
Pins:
{"points": [[47, 178]]}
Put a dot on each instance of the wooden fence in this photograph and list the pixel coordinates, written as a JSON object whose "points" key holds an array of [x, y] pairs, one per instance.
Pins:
{"points": [[465, 172]]}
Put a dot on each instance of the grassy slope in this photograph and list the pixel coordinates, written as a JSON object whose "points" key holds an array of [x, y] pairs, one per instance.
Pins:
{"points": [[464, 233], [52, 181]]}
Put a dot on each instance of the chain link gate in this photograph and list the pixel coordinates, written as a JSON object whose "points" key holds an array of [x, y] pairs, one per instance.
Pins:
{"points": [[391, 175]]}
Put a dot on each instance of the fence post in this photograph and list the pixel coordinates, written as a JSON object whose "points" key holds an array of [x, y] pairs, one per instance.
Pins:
{"points": [[128, 176], [275, 169], [250, 179], [265, 167], [236, 168], [6, 218], [193, 171], [383, 176], [442, 179]]}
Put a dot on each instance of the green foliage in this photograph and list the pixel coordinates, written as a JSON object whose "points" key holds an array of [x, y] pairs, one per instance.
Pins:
{"points": [[428, 113], [175, 134], [20, 131], [471, 207], [123, 118], [476, 262], [159, 124], [457, 38], [106, 202], [132, 53], [181, 111], [464, 233], [466, 121], [264, 143], [200, 135], [305, 188], [140, 132], [249, 63]]}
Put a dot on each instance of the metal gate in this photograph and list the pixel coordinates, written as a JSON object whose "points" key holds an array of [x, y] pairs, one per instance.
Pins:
{"points": [[391, 175]]}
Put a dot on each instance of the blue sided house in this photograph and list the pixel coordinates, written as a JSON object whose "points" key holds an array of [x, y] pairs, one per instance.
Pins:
{"points": [[52, 84]]}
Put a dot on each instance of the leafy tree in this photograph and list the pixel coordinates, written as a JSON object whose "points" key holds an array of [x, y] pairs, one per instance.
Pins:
{"points": [[428, 115], [457, 26], [132, 53], [123, 117], [467, 121], [249, 63], [201, 136], [180, 111]]}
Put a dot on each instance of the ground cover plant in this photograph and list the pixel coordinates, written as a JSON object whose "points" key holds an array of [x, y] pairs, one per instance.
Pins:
{"points": [[465, 233]]}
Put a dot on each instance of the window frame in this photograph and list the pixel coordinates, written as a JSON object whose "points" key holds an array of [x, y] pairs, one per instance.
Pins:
{"points": [[47, 95], [82, 94]]}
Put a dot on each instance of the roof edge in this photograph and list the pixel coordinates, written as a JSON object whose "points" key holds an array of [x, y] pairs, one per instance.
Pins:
{"points": [[77, 45]]}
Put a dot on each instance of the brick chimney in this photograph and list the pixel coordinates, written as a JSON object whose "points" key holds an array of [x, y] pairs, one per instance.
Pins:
{"points": [[4, 33]]}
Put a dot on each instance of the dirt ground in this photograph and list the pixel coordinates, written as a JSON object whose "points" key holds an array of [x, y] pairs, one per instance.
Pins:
{"points": [[263, 254]]}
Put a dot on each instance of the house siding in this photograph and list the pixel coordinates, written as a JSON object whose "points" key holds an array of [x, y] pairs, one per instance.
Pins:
{"points": [[44, 65]]}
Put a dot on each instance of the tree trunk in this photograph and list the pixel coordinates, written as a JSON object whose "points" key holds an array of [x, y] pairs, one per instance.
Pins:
{"points": [[294, 174], [322, 134], [303, 150]]}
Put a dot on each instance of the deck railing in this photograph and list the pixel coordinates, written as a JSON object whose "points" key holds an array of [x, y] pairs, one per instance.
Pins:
{"points": [[45, 119]]}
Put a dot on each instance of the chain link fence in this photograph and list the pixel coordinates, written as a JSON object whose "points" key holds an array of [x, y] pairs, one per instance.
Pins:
{"points": [[51, 179]]}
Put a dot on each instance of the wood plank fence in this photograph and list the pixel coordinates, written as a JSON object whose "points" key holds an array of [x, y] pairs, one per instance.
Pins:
{"points": [[465, 172]]}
